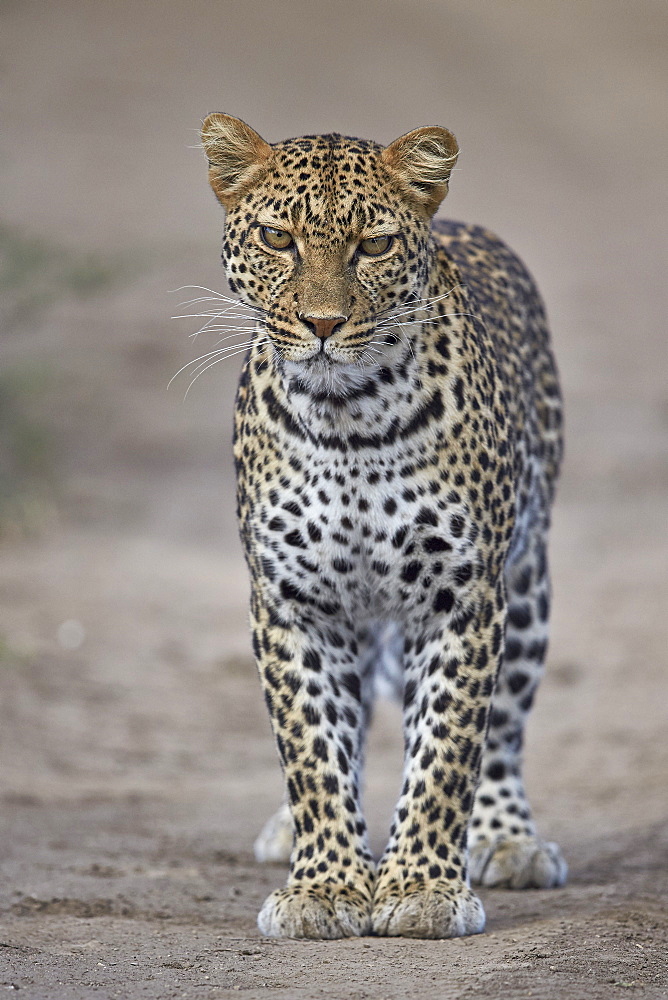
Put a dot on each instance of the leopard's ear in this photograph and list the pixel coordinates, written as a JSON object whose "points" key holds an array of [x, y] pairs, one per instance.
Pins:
{"points": [[423, 160], [235, 154]]}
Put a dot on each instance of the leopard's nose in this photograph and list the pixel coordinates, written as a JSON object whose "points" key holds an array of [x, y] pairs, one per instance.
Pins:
{"points": [[323, 326]]}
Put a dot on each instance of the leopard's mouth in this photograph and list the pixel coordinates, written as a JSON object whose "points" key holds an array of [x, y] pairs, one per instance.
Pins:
{"points": [[324, 375]]}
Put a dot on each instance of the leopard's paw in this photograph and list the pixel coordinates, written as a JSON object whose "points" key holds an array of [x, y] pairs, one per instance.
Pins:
{"points": [[527, 863], [437, 911], [274, 841], [316, 911]]}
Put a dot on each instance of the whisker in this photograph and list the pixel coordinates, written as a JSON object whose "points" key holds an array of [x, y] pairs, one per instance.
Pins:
{"points": [[410, 347], [212, 314], [225, 332], [227, 300], [220, 353], [425, 303], [220, 309], [208, 298], [221, 340], [206, 366], [200, 288], [390, 324], [212, 325], [216, 296]]}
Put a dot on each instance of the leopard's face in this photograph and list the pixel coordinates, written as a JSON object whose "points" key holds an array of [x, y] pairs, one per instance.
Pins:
{"points": [[326, 236], [327, 239]]}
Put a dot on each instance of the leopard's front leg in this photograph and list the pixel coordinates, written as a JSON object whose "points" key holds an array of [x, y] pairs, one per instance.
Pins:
{"points": [[422, 885], [315, 700]]}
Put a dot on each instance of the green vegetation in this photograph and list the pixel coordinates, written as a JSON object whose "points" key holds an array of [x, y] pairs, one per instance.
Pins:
{"points": [[27, 469], [35, 274], [8, 657]]}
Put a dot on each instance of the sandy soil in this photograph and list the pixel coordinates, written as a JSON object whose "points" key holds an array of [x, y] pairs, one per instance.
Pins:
{"points": [[137, 764]]}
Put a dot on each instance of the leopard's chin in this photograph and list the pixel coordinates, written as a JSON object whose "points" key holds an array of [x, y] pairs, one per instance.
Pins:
{"points": [[321, 375]]}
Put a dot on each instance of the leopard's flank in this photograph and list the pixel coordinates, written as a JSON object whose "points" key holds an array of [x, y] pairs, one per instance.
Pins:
{"points": [[397, 442]]}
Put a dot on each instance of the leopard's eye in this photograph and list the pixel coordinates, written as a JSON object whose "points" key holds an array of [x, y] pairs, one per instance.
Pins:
{"points": [[376, 245], [277, 239]]}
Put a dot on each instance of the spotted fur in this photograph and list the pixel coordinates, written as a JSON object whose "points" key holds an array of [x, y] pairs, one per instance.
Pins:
{"points": [[397, 441]]}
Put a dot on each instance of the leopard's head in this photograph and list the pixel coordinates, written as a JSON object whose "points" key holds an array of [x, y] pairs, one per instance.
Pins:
{"points": [[328, 236]]}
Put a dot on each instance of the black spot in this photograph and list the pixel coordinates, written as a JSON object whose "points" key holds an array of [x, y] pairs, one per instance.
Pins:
{"points": [[458, 390], [443, 347], [543, 607], [482, 658], [314, 532], [441, 703], [426, 516], [496, 771], [433, 410], [498, 718], [434, 544], [461, 622], [331, 784], [520, 615], [279, 415], [411, 572], [351, 683], [295, 539], [444, 600], [268, 568], [513, 650], [457, 525], [448, 818], [522, 581], [312, 660], [399, 537], [311, 715], [451, 668], [292, 593], [536, 650], [463, 574]]}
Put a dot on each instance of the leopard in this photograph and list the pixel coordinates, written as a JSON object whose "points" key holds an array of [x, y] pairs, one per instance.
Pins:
{"points": [[397, 441]]}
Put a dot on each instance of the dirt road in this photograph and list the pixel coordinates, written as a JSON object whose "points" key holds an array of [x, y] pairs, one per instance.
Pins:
{"points": [[137, 764]]}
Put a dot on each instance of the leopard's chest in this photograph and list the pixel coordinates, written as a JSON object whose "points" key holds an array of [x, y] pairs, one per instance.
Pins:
{"points": [[374, 532]]}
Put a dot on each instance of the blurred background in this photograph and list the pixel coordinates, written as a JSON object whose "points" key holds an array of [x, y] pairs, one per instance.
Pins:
{"points": [[123, 642]]}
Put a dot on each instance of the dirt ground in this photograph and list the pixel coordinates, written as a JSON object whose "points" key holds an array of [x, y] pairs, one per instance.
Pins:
{"points": [[136, 760]]}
